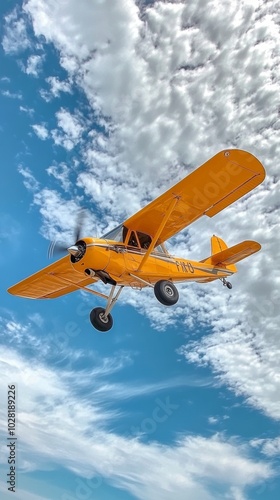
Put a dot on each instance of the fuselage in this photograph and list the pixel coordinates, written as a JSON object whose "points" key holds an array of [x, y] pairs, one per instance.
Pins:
{"points": [[120, 263]]}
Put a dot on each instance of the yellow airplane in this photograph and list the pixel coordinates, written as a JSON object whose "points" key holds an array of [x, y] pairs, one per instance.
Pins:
{"points": [[134, 255]]}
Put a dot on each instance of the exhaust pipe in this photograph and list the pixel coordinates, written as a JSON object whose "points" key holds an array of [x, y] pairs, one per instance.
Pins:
{"points": [[90, 272]]}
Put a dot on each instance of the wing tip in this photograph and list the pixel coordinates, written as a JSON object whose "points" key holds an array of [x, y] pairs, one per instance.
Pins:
{"points": [[247, 159]]}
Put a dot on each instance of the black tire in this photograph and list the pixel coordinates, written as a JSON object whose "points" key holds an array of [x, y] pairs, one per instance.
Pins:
{"points": [[98, 321], [229, 285], [166, 292]]}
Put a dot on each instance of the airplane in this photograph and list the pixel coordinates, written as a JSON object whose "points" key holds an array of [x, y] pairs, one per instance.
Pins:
{"points": [[134, 253]]}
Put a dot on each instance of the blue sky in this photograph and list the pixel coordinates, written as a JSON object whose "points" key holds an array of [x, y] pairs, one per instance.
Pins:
{"points": [[104, 107]]}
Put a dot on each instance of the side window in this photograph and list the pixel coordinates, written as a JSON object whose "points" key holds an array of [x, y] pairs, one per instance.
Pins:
{"points": [[144, 239], [137, 239], [161, 249], [133, 241]]}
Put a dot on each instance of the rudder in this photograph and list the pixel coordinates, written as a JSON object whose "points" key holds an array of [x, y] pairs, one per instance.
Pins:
{"points": [[217, 245]]}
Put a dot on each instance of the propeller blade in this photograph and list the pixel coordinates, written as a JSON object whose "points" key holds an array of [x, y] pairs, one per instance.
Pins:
{"points": [[56, 248], [79, 225]]}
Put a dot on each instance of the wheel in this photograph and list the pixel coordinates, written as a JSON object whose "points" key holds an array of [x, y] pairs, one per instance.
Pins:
{"points": [[98, 320], [166, 292], [229, 285]]}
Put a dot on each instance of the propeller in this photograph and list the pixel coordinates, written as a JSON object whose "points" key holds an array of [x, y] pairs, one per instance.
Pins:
{"points": [[56, 248]]}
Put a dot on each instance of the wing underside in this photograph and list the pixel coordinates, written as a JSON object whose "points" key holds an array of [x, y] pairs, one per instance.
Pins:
{"points": [[53, 281], [219, 182]]}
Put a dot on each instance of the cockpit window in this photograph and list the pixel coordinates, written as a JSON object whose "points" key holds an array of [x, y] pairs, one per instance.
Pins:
{"points": [[115, 235], [144, 240], [160, 249], [140, 240], [135, 239]]}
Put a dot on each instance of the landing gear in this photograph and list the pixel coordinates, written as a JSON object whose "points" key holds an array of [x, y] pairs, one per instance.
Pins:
{"points": [[226, 283], [101, 318], [166, 292]]}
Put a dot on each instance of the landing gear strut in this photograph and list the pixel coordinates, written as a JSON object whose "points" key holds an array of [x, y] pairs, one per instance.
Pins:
{"points": [[226, 283], [101, 318]]}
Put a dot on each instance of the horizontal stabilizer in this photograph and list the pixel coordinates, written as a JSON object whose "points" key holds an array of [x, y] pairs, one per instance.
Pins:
{"points": [[234, 254]]}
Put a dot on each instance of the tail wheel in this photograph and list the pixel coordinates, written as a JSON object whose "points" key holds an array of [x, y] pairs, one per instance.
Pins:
{"points": [[226, 283], [99, 320], [166, 292]]}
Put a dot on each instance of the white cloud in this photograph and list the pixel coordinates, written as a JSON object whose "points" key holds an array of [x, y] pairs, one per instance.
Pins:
{"points": [[29, 180], [5, 79], [70, 129], [213, 420], [125, 391], [190, 465], [41, 131], [60, 216], [11, 95], [272, 447], [37, 319], [138, 79], [57, 86], [70, 124], [33, 65], [61, 173], [164, 86], [15, 37], [27, 110], [269, 447]]}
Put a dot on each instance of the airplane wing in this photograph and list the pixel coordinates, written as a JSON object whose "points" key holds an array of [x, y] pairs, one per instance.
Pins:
{"points": [[53, 281], [220, 181]]}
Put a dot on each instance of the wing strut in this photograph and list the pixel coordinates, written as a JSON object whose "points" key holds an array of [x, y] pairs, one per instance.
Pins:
{"points": [[159, 231]]}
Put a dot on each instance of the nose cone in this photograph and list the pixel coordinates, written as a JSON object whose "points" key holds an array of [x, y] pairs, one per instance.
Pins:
{"points": [[74, 250]]}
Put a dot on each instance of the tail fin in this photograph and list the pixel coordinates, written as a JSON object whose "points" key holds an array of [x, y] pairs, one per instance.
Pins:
{"points": [[224, 256], [217, 245]]}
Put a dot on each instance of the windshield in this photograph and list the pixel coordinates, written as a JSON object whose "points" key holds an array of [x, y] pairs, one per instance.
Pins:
{"points": [[115, 235], [160, 249]]}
